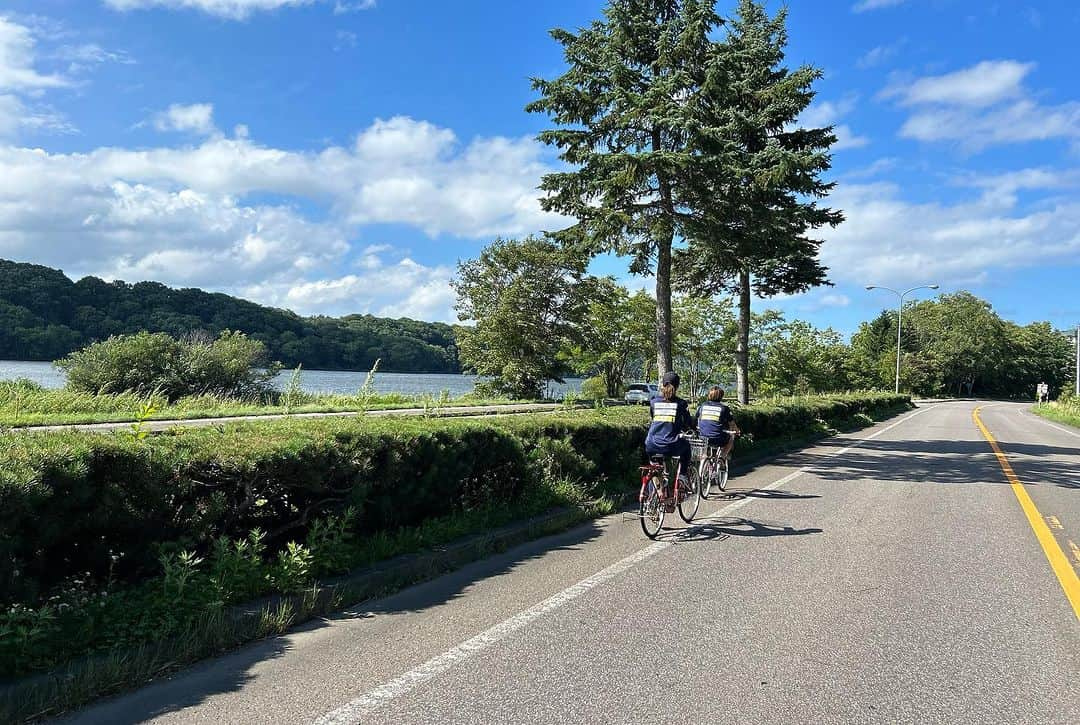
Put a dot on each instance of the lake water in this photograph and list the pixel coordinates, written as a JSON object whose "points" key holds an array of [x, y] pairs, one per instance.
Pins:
{"points": [[312, 381]]}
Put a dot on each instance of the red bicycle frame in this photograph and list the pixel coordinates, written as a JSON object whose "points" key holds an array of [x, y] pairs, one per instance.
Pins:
{"points": [[657, 469]]}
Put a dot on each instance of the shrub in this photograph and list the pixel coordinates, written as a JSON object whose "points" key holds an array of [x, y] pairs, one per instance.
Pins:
{"points": [[150, 364], [594, 389]]}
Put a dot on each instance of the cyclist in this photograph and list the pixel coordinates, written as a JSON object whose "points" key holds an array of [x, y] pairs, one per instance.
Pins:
{"points": [[670, 416], [714, 420]]}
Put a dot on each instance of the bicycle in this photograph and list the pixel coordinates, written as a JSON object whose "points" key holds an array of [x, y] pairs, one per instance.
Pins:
{"points": [[713, 467], [655, 500]]}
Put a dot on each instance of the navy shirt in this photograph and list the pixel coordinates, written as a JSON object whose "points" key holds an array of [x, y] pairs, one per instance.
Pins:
{"points": [[669, 419], [713, 419]]}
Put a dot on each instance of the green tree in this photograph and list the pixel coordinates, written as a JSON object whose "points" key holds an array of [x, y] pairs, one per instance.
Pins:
{"points": [[522, 298], [800, 358], [755, 238], [1036, 353], [626, 119], [704, 341], [615, 332], [871, 345], [963, 337]]}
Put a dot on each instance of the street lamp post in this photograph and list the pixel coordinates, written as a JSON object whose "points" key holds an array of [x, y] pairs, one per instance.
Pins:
{"points": [[1078, 361], [900, 318]]}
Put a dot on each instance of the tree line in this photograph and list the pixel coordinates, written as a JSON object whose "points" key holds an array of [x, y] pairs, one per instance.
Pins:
{"points": [[958, 345], [538, 316], [45, 316]]}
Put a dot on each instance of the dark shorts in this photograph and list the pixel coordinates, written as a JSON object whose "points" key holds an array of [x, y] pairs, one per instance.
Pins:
{"points": [[679, 449], [720, 440]]}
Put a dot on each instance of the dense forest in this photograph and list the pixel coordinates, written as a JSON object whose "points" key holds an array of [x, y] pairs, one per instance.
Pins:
{"points": [[45, 316]]}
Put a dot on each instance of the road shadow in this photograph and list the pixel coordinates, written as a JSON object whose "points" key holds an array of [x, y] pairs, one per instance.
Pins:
{"points": [[722, 527], [936, 461], [193, 686]]}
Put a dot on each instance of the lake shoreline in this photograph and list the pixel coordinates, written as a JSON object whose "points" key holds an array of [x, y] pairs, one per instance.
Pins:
{"points": [[314, 382]]}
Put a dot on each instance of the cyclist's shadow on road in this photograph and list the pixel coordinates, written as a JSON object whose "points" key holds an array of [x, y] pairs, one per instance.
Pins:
{"points": [[720, 528], [734, 494]]}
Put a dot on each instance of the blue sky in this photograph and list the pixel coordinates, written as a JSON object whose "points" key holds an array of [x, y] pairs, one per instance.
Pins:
{"points": [[337, 156]]}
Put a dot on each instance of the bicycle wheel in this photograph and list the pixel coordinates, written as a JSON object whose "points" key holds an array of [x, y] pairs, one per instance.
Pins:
{"points": [[721, 473], [651, 509], [705, 478], [689, 501]]}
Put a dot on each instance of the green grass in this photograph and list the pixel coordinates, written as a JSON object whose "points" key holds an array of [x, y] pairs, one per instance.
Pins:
{"points": [[1063, 411], [23, 403]]}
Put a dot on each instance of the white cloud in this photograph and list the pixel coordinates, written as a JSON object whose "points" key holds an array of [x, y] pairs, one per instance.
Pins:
{"points": [[85, 56], [344, 39], [195, 118], [879, 54], [21, 84], [981, 106], [402, 289], [876, 168], [343, 6], [864, 5], [981, 85], [17, 61], [193, 215], [887, 239], [815, 301], [234, 9], [828, 113], [847, 139], [1018, 122]]}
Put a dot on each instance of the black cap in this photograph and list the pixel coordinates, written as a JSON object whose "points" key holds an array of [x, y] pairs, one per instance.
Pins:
{"points": [[670, 378]]}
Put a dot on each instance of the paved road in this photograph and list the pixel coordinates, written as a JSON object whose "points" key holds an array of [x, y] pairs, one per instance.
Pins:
{"points": [[893, 578], [161, 425]]}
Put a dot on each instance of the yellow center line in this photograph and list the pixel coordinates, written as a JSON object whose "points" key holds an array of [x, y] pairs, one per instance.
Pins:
{"points": [[1058, 561]]}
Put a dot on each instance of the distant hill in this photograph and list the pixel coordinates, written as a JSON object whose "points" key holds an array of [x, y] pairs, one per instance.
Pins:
{"points": [[44, 316]]}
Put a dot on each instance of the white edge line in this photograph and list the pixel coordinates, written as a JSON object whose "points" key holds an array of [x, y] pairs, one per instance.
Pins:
{"points": [[1055, 426], [355, 710]]}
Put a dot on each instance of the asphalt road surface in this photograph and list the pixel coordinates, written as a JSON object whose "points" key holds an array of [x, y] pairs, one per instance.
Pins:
{"points": [[887, 576]]}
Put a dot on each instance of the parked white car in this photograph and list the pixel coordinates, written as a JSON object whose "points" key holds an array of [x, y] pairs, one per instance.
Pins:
{"points": [[640, 392]]}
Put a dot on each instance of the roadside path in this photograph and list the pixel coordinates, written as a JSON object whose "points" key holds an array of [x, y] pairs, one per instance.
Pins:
{"points": [[156, 426]]}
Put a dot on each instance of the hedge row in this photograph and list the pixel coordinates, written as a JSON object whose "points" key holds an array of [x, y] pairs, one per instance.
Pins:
{"points": [[112, 541], [787, 417], [100, 508]]}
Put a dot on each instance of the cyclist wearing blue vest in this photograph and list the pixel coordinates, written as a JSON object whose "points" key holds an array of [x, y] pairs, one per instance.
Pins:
{"points": [[714, 420], [670, 416]]}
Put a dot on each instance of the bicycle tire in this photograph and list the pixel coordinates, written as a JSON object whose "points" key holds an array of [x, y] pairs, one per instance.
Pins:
{"points": [[722, 474], [705, 478], [692, 502], [651, 509]]}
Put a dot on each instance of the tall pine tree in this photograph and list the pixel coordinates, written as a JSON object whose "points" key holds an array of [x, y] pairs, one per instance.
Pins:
{"points": [[760, 210], [626, 119]]}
